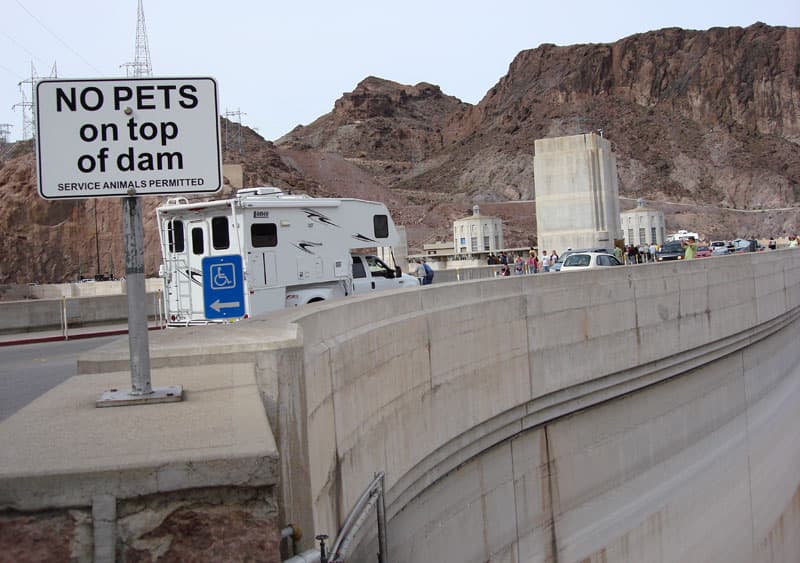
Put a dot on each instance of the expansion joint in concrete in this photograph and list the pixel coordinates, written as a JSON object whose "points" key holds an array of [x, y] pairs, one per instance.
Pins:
{"points": [[550, 465], [749, 454]]}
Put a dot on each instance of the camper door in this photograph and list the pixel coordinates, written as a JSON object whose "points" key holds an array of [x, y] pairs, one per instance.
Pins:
{"points": [[198, 247]]}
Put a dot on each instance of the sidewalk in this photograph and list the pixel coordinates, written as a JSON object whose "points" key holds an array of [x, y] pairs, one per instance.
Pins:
{"points": [[74, 333]]}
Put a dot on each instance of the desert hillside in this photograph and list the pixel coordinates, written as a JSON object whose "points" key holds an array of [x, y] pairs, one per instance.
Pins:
{"points": [[705, 125]]}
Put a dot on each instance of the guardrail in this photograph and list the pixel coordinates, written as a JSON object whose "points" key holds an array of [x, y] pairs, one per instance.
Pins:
{"points": [[63, 313]]}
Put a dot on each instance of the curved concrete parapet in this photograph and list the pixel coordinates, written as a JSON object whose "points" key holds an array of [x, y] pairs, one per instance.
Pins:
{"points": [[631, 414], [418, 384]]}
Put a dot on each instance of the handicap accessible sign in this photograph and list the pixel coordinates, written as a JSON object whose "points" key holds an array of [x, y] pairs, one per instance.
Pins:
{"points": [[223, 288]]}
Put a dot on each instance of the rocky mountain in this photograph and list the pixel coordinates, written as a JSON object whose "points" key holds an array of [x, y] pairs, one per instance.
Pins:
{"points": [[705, 125]]}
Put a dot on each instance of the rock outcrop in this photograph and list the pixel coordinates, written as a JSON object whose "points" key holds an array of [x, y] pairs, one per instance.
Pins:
{"points": [[705, 125]]}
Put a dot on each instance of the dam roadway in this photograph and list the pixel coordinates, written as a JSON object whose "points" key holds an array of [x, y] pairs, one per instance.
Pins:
{"points": [[644, 413]]}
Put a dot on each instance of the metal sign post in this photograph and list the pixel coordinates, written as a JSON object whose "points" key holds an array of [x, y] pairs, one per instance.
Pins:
{"points": [[141, 391]]}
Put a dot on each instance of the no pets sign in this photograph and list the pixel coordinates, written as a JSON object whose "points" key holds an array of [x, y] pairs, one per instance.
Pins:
{"points": [[148, 136]]}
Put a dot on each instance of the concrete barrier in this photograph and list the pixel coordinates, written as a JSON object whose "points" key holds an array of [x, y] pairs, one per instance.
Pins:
{"points": [[42, 314], [598, 414]]}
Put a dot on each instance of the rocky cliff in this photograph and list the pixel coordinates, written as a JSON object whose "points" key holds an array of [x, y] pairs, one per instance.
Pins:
{"points": [[705, 125]]}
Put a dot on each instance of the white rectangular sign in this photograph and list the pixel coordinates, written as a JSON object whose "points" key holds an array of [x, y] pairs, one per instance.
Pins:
{"points": [[140, 136]]}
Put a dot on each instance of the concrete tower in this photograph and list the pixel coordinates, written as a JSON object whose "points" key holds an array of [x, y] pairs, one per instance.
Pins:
{"points": [[577, 195]]}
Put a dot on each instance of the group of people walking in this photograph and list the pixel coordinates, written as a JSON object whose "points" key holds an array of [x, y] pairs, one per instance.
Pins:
{"points": [[640, 254], [519, 266]]}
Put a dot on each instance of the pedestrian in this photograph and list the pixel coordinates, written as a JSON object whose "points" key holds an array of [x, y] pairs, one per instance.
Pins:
{"points": [[689, 248], [428, 279], [419, 271], [519, 266], [793, 242], [503, 258], [618, 254], [772, 245], [631, 254], [553, 258], [653, 249], [504, 271], [533, 263], [545, 262]]}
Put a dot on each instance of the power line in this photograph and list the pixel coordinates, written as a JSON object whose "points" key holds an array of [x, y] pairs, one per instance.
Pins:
{"points": [[48, 30], [9, 71], [23, 47]]}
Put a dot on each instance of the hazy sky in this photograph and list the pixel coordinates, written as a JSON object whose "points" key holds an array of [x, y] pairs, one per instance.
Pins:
{"points": [[286, 63]]}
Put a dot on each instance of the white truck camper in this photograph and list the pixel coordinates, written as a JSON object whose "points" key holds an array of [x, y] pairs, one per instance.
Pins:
{"points": [[265, 250]]}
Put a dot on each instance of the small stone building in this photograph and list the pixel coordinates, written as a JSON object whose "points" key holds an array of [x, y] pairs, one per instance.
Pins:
{"points": [[642, 225], [477, 234]]}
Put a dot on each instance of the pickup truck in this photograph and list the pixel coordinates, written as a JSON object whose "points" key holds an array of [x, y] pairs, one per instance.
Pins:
{"points": [[370, 273]]}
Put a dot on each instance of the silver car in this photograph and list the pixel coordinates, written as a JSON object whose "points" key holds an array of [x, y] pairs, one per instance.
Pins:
{"points": [[587, 260]]}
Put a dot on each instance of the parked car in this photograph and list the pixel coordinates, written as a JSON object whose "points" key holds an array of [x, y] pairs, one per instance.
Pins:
{"points": [[703, 251], [720, 250], [746, 245], [560, 262], [586, 260], [672, 250]]}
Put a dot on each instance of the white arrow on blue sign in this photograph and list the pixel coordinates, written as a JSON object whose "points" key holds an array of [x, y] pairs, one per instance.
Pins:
{"points": [[223, 287]]}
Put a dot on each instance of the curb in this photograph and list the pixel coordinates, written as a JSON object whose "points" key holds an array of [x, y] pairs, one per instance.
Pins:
{"points": [[61, 337]]}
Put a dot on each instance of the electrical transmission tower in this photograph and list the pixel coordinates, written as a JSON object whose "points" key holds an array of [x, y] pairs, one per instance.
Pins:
{"points": [[5, 132], [236, 135], [141, 62], [28, 122]]}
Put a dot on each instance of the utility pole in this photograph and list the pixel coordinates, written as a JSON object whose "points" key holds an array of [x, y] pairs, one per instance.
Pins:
{"points": [[26, 104], [237, 134], [140, 67], [96, 238]]}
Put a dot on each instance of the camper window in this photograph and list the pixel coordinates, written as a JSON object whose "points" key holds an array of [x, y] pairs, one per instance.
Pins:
{"points": [[381, 225], [175, 236], [197, 241], [263, 234], [220, 236]]}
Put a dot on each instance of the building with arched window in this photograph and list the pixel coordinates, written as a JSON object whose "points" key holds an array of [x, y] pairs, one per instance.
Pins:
{"points": [[642, 225], [477, 234]]}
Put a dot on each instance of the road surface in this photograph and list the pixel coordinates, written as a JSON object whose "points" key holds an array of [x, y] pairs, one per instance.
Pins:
{"points": [[31, 370]]}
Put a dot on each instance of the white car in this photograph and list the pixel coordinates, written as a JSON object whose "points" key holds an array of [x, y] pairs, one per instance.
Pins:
{"points": [[586, 260]]}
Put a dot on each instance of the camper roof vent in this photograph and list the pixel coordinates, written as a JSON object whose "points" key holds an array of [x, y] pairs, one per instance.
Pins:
{"points": [[259, 191]]}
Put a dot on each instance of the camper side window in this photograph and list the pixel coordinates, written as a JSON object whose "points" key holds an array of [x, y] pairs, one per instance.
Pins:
{"points": [[220, 235], [263, 234], [175, 236], [197, 241], [381, 225]]}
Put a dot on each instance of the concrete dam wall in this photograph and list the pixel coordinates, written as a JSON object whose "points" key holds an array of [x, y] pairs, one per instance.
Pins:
{"points": [[642, 413]]}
